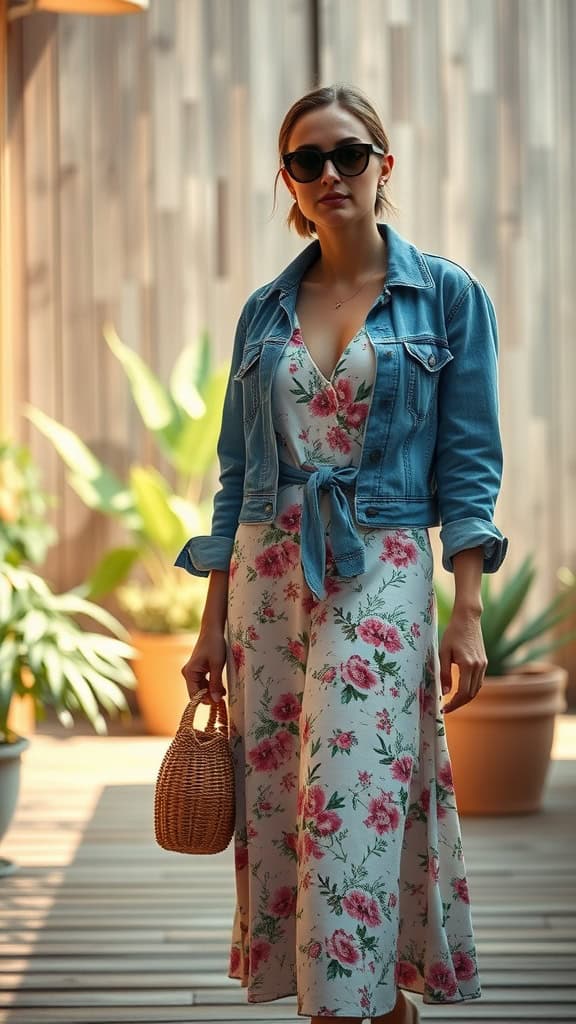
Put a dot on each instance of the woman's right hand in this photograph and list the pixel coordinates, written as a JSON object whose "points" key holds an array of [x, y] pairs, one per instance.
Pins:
{"points": [[208, 659]]}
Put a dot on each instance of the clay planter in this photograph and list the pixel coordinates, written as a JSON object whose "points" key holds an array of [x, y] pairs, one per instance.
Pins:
{"points": [[500, 742], [160, 686]]}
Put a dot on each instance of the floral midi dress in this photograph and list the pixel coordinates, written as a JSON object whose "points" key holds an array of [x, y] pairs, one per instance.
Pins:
{"points": [[350, 877]]}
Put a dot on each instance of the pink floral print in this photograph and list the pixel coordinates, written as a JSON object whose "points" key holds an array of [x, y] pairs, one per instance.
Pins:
{"points": [[350, 875]]}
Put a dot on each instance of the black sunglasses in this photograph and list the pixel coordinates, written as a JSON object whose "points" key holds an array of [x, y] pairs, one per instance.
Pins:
{"points": [[350, 159]]}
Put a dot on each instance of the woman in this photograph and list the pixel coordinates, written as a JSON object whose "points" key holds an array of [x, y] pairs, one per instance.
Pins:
{"points": [[361, 409]]}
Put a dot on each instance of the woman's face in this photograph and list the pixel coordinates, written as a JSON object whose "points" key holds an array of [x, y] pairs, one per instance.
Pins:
{"points": [[324, 129]]}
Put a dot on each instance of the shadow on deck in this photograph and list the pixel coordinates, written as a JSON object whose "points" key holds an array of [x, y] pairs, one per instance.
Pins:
{"points": [[99, 924]]}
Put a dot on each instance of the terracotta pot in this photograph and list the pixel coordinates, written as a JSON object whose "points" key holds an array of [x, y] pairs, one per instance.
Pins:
{"points": [[500, 742], [160, 686], [22, 714]]}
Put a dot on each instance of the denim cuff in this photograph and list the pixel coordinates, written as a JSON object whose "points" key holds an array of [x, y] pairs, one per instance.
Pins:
{"points": [[472, 533], [201, 554]]}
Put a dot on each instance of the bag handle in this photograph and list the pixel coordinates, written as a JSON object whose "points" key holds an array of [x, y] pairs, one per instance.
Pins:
{"points": [[217, 724]]}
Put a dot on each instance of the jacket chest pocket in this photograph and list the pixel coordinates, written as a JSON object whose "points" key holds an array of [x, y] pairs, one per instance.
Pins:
{"points": [[423, 360], [248, 376]]}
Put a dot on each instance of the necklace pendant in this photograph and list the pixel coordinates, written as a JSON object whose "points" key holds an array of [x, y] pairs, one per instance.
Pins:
{"points": [[337, 306]]}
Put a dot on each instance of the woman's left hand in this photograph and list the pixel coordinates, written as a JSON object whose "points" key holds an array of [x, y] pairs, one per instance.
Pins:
{"points": [[463, 645]]}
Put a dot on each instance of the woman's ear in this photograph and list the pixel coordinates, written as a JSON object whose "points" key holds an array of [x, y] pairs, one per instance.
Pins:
{"points": [[387, 165], [287, 181]]}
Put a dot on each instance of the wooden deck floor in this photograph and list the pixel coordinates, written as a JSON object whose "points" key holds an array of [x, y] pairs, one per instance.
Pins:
{"points": [[99, 924]]}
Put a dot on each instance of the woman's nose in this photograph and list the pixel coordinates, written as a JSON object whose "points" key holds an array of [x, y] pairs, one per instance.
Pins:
{"points": [[329, 171]]}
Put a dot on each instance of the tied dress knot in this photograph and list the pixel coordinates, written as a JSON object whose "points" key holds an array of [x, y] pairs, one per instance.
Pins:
{"points": [[347, 547]]}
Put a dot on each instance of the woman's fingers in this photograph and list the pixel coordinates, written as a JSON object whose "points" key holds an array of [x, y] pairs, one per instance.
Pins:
{"points": [[445, 655], [469, 682], [462, 693], [204, 672]]}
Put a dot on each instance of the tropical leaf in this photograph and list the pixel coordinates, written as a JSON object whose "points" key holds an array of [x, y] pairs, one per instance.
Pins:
{"points": [[501, 611], [159, 412], [184, 379], [33, 626], [162, 527], [71, 604], [54, 674], [84, 696], [6, 592], [196, 447], [109, 694], [98, 487], [114, 668], [538, 652], [109, 647], [443, 606], [112, 570], [543, 623], [194, 517]]}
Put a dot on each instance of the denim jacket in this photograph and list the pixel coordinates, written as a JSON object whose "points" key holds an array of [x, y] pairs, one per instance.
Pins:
{"points": [[431, 452]]}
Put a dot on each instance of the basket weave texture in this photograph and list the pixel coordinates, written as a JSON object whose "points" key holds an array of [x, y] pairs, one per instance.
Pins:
{"points": [[194, 806]]}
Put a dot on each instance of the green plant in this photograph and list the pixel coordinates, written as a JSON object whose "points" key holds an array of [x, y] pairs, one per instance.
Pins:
{"points": [[25, 534], [44, 653], [502, 609], [158, 515]]}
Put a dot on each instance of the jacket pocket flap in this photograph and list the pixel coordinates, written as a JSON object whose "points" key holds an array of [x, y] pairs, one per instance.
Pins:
{"points": [[429, 354], [248, 359]]}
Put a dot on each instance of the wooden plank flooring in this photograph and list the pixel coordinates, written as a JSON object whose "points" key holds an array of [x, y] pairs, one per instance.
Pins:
{"points": [[100, 925]]}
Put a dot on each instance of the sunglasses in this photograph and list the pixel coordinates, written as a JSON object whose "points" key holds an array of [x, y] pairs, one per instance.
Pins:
{"points": [[349, 160]]}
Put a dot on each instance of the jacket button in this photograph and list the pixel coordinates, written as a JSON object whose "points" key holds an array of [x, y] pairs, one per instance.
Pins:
{"points": [[268, 506], [371, 512], [431, 360], [375, 455], [388, 354]]}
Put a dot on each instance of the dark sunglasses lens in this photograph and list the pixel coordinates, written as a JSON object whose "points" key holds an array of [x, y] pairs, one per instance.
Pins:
{"points": [[306, 165], [351, 160]]}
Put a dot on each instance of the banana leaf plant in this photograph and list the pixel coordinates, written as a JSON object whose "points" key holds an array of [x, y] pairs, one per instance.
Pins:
{"points": [[158, 514], [507, 647], [44, 653]]}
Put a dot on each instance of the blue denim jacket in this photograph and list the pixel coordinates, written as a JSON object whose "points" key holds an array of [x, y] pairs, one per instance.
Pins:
{"points": [[432, 451]]}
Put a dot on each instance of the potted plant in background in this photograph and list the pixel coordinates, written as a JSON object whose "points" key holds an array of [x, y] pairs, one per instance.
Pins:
{"points": [[500, 742], [46, 659], [162, 604]]}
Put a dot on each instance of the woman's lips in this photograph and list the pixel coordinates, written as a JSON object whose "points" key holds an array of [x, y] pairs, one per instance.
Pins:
{"points": [[334, 200]]}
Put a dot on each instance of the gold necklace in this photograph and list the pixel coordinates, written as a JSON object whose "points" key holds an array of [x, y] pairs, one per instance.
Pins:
{"points": [[358, 290], [342, 301]]}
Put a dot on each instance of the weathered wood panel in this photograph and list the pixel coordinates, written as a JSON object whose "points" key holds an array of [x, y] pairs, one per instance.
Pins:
{"points": [[478, 100], [147, 192], [142, 154]]}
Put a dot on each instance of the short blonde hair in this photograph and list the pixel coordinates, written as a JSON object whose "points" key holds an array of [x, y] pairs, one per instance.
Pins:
{"points": [[355, 102]]}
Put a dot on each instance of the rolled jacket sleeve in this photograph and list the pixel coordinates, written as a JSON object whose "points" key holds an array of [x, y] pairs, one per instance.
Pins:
{"points": [[468, 454], [201, 554]]}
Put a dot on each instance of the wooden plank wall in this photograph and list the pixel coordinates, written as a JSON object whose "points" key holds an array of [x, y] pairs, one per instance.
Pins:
{"points": [[479, 100], [144, 157], [145, 173]]}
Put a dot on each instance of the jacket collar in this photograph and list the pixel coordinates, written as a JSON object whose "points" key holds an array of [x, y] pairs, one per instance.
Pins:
{"points": [[406, 265]]}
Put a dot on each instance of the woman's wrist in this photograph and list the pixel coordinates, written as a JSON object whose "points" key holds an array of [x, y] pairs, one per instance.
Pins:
{"points": [[468, 566], [468, 607], [216, 604]]}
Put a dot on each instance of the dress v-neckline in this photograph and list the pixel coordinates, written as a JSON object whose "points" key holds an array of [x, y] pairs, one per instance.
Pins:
{"points": [[329, 381]]}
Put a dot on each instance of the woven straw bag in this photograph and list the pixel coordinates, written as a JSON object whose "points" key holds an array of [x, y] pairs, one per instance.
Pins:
{"points": [[194, 808]]}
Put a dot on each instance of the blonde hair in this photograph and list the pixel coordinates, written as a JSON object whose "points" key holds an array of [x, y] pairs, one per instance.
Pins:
{"points": [[355, 102]]}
